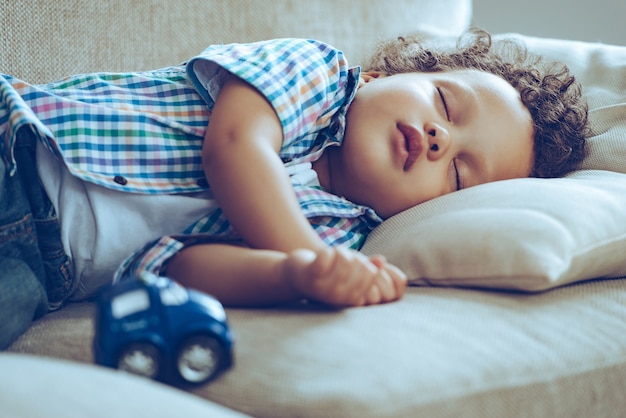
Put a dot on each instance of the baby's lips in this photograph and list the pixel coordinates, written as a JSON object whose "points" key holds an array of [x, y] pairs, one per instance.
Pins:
{"points": [[413, 142]]}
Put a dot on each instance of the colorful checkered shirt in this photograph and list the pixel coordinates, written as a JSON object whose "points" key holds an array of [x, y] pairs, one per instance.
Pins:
{"points": [[142, 132]]}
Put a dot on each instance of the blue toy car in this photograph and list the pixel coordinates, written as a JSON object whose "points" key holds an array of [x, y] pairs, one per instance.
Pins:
{"points": [[152, 326]]}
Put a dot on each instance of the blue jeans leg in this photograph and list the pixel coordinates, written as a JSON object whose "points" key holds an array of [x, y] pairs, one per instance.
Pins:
{"points": [[34, 270], [22, 299]]}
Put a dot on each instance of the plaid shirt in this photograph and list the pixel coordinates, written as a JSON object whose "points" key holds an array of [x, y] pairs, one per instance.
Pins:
{"points": [[142, 132]]}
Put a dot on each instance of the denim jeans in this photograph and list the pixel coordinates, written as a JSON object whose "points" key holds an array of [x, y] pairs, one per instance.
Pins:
{"points": [[35, 272]]}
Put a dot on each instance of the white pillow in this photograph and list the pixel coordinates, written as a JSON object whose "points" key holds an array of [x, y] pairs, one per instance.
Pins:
{"points": [[525, 234], [530, 234], [30, 387]]}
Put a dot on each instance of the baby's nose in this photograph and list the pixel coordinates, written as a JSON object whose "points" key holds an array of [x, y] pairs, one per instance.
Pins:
{"points": [[438, 140]]}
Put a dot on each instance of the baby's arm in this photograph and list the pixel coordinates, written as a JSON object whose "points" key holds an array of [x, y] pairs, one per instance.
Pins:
{"points": [[242, 276], [247, 177], [246, 174]]}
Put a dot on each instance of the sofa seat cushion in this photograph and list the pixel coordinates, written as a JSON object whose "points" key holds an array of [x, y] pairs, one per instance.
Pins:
{"points": [[434, 353]]}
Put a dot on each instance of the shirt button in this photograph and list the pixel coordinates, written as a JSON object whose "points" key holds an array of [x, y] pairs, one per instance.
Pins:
{"points": [[120, 180]]}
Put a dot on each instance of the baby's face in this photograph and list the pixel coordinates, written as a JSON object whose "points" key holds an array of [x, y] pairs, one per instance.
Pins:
{"points": [[413, 137]]}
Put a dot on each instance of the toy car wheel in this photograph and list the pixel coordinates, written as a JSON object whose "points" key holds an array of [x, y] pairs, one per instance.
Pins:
{"points": [[140, 358], [199, 359]]}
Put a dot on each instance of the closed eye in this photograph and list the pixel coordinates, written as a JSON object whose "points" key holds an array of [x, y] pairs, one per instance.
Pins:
{"points": [[459, 183], [443, 100]]}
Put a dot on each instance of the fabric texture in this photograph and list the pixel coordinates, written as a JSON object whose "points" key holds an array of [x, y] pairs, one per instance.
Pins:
{"points": [[436, 353], [530, 234], [57, 39]]}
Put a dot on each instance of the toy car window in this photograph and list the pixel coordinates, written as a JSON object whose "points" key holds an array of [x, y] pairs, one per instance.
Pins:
{"points": [[174, 295], [216, 309], [130, 303]]}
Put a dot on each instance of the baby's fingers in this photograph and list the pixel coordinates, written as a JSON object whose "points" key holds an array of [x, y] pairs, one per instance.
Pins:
{"points": [[398, 278], [390, 283], [334, 275], [354, 273]]}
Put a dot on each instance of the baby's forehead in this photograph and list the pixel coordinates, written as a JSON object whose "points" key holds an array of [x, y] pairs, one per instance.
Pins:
{"points": [[483, 83]]}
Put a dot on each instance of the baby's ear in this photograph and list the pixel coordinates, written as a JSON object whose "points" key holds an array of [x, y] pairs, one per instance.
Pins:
{"points": [[367, 76]]}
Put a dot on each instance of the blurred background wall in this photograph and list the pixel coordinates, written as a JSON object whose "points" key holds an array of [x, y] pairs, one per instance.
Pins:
{"points": [[583, 20]]}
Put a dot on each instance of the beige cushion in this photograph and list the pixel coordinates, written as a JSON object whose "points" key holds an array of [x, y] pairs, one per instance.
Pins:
{"points": [[37, 387], [42, 40], [437, 353], [530, 234]]}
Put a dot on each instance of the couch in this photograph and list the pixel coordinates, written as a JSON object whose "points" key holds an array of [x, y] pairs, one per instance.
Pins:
{"points": [[518, 303]]}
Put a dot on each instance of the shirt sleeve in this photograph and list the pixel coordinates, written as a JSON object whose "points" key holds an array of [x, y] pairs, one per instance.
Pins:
{"points": [[305, 81]]}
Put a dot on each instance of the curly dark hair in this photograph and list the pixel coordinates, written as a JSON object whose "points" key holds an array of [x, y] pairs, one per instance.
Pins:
{"points": [[549, 91]]}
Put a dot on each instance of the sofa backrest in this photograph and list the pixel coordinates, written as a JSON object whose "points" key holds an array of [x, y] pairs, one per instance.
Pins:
{"points": [[42, 40]]}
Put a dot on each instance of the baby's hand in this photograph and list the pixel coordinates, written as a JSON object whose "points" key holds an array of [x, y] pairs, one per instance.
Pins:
{"points": [[390, 281], [342, 277]]}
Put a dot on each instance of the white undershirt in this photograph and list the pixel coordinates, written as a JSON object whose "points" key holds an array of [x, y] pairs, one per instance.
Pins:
{"points": [[101, 227]]}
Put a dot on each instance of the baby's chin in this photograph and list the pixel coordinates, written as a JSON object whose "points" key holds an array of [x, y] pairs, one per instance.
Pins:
{"points": [[387, 212]]}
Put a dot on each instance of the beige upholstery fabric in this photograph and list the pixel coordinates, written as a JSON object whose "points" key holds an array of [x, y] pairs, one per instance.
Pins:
{"points": [[524, 234], [44, 40], [437, 353]]}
